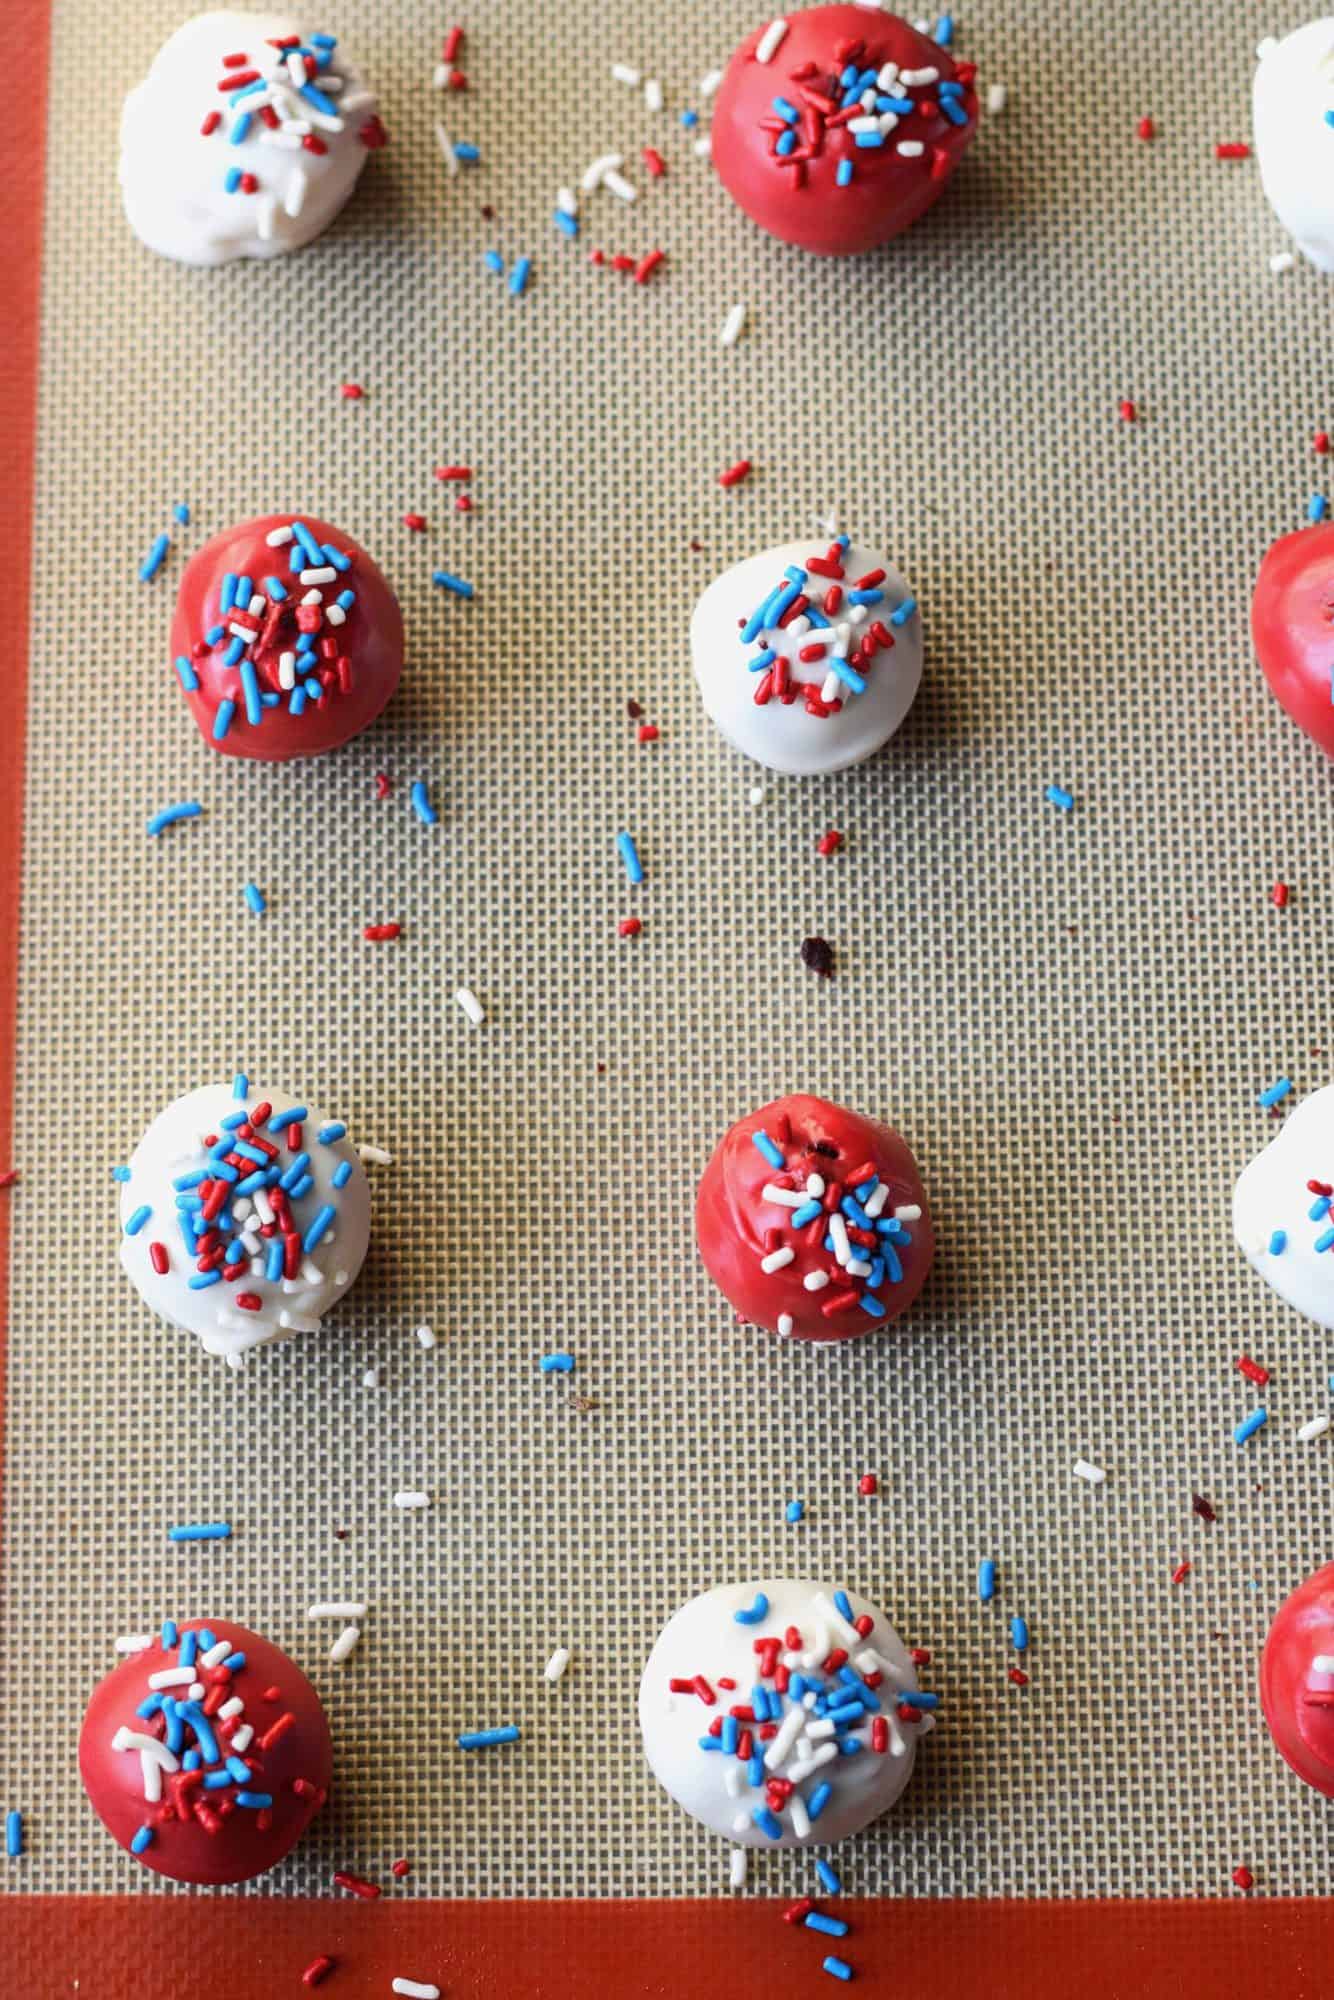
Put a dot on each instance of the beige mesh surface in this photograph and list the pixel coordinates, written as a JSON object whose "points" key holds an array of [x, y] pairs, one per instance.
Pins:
{"points": [[1069, 1018]]}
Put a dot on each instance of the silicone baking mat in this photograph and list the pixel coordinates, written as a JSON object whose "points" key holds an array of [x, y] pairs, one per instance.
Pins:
{"points": [[1068, 1015]]}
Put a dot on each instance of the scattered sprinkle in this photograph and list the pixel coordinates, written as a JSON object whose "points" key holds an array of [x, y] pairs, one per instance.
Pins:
{"points": [[735, 473], [425, 1336], [629, 927], [170, 815], [794, 1513], [1275, 1094], [13, 1834], [412, 1502], [454, 584], [254, 898], [629, 853], [1243, 1878], [201, 1531], [1281, 261], [556, 1665], [1092, 1473], [381, 933], [1056, 795], [416, 1989], [1232, 149], [318, 1969], [351, 392], [471, 1005], [986, 1579], [733, 326], [356, 1885], [1255, 1422], [1314, 1429], [486, 1739], [1147, 129], [1252, 1370], [422, 806], [829, 843], [1279, 895], [155, 558], [1126, 410], [557, 1364]]}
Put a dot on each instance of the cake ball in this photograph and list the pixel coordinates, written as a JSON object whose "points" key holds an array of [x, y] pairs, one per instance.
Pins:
{"points": [[836, 127], [808, 660], [206, 1753], [1292, 623], [245, 139], [1282, 1209], [1293, 112], [1297, 1680], [245, 1215], [782, 1712], [812, 1220], [287, 639]]}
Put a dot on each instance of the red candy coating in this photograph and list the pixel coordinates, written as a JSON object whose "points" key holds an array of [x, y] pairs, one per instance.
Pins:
{"points": [[1299, 1702], [1292, 624], [371, 640], [732, 1220], [246, 1842], [801, 201]]}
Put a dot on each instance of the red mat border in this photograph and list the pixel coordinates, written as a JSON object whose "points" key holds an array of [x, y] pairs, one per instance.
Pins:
{"points": [[118, 1945]]}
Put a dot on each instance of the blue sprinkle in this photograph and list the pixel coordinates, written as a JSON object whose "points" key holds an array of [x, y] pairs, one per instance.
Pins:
{"points": [[282, 1119], [755, 1771], [1255, 1422], [944, 31], [273, 1267], [844, 173], [233, 180], [818, 1800], [342, 1173], [763, 660], [568, 224], [318, 99], [1019, 1634], [169, 1635], [816, 1920], [838, 1968], [484, 1739], [153, 561], [189, 1649], [986, 1579], [142, 1839], [254, 898], [765, 1146], [1056, 795], [451, 583], [259, 1800], [953, 111], [329, 1134], [843, 1604], [215, 634], [869, 141], [690, 119], [1317, 507], [234, 652], [318, 1228], [120, 1173], [795, 1512], [709, 1742], [222, 721], [188, 678], [169, 815], [234, 1662], [829, 1881], [731, 1735], [1278, 1242], [915, 1698], [557, 1364], [494, 261], [254, 714], [786, 109], [848, 675], [1275, 1094], [629, 853], [239, 1770], [241, 125], [767, 1823], [903, 612], [276, 588], [346, 599], [181, 512], [202, 1531], [13, 1834], [806, 1213], [137, 1220], [519, 276], [1319, 1209], [758, 1610], [872, 1305], [422, 806], [469, 154]]}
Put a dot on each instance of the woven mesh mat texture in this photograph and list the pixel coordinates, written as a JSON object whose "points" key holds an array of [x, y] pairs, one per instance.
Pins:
{"points": [[1068, 1016]]}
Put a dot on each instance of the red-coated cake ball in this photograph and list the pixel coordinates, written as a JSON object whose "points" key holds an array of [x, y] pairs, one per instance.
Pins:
{"points": [[287, 639], [206, 1753], [1292, 624], [837, 127], [1297, 1680], [813, 1220]]}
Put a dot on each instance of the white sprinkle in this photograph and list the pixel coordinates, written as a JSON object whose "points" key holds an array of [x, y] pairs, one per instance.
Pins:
{"points": [[756, 795], [412, 1500], [653, 94], [876, 1200], [784, 1197], [565, 201], [232, 1707], [888, 75], [172, 1677], [838, 1229], [910, 149], [326, 574], [293, 203], [814, 1186], [426, 1336], [797, 1813], [241, 1738], [606, 163], [345, 1611], [736, 1872], [139, 1739], [265, 210], [815, 1281], [1281, 261], [770, 41], [623, 73], [1093, 1473], [134, 1642], [441, 74], [375, 1156], [709, 82], [371, 1379], [732, 326], [1324, 1663], [471, 1005], [858, 1267], [344, 1643], [789, 1729], [296, 69], [556, 1665], [416, 1989], [294, 1322], [785, 1324], [618, 185], [1310, 1432], [216, 1654], [734, 1780], [910, 1212], [703, 147], [996, 96], [446, 145], [152, 1776], [915, 76], [778, 1258]]}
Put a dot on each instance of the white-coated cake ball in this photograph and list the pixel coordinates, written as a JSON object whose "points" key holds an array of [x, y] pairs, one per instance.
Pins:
{"points": [[246, 1215], [1283, 1220], [1294, 136], [768, 1761], [244, 140], [808, 657]]}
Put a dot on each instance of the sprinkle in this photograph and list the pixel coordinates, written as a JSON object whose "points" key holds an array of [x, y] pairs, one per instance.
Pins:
{"points": [[422, 806], [736, 1868], [453, 474], [170, 815], [416, 1989], [412, 1502], [486, 1739], [1281, 261], [764, 1145], [1252, 1370], [518, 278], [735, 473], [137, 1220], [629, 853], [829, 1881], [1146, 129], [351, 392], [1279, 894], [318, 1969], [254, 900], [344, 1644], [1243, 1878], [816, 1920], [1317, 507], [13, 1834], [733, 326], [654, 161], [996, 96], [1019, 1634], [769, 43], [817, 955], [379, 933], [1311, 1431], [1126, 410], [829, 843], [134, 1642], [454, 584], [471, 1005], [1092, 1473], [336, 1611], [1232, 149], [556, 1665], [646, 266], [153, 561], [1255, 1422], [356, 1885], [838, 1968], [752, 1614], [623, 73], [201, 1531], [142, 1839], [794, 1512], [400, 1868], [1275, 1094], [425, 1336], [557, 1364], [1056, 796]]}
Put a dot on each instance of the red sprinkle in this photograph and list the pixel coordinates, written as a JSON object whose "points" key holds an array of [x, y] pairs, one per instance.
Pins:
{"points": [[378, 933], [1127, 411], [868, 1483], [797, 1913], [654, 161], [646, 266], [629, 927], [1019, 1677], [250, 1302], [463, 505], [735, 473], [357, 1884], [400, 1868], [453, 43], [647, 732], [1147, 129], [1278, 895], [352, 392], [416, 522], [1320, 442], [373, 135], [1181, 1572], [1232, 149], [1243, 1878], [1252, 1370], [210, 124], [920, 1657], [313, 143], [158, 1254], [384, 784], [453, 472], [9, 1178], [829, 843]]}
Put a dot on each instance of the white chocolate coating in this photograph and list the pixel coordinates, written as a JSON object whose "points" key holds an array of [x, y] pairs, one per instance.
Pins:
{"points": [[783, 736], [1294, 146], [173, 178], [705, 1638], [172, 1148], [1272, 1194]]}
